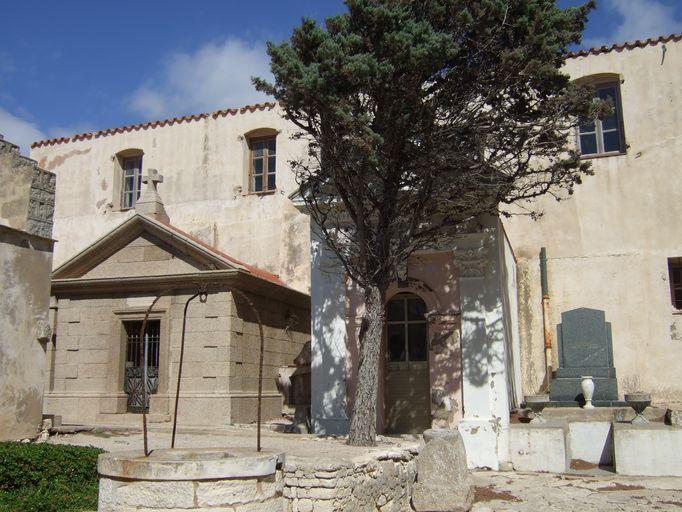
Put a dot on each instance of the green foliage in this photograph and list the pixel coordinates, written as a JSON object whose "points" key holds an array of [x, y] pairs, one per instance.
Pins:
{"points": [[48, 478]]}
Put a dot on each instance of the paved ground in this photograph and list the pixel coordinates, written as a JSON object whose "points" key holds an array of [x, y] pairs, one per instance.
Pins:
{"points": [[503, 491], [542, 492]]}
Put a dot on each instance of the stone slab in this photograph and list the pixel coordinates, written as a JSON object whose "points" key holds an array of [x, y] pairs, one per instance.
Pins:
{"points": [[539, 447], [190, 464], [647, 450], [591, 441]]}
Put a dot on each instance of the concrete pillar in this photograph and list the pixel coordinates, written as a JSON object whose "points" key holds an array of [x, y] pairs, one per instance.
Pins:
{"points": [[328, 343], [485, 423]]}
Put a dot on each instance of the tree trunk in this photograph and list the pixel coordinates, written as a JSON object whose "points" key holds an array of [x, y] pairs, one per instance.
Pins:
{"points": [[363, 428]]}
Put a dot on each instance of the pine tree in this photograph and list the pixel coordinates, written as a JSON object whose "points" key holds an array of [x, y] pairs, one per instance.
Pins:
{"points": [[420, 116]]}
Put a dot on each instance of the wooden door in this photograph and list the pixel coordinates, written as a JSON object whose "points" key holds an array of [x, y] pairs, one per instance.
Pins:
{"points": [[407, 388]]}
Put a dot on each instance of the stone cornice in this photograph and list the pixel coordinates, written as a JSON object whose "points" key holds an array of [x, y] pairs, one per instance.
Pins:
{"points": [[179, 282]]}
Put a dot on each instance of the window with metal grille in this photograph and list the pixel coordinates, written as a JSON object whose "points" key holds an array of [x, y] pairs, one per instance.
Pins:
{"points": [[132, 181], [135, 346], [263, 164], [675, 273], [406, 329], [604, 136]]}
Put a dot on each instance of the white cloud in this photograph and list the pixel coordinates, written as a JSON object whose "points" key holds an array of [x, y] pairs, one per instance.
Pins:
{"points": [[639, 19], [19, 131], [217, 75]]}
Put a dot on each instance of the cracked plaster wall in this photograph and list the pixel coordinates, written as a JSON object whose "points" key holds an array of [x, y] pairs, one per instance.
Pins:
{"points": [[608, 244]]}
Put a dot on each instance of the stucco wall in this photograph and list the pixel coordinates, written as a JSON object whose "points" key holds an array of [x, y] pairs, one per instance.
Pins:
{"points": [[204, 163], [220, 370], [25, 263], [434, 278], [608, 244]]}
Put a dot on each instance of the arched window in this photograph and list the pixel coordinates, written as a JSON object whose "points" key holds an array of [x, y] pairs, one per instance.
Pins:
{"points": [[262, 160], [603, 136], [406, 329], [130, 163]]}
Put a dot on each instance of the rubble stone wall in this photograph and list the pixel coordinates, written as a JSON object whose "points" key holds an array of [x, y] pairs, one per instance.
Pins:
{"points": [[382, 484]]}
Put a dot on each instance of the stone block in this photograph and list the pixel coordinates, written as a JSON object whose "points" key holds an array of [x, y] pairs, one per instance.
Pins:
{"points": [[443, 480], [231, 492], [113, 405], [647, 450], [591, 441], [539, 448], [66, 371], [169, 494], [480, 440], [673, 417]]}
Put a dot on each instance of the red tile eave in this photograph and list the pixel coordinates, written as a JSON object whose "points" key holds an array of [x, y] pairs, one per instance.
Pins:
{"points": [[155, 124], [258, 272], [628, 45]]}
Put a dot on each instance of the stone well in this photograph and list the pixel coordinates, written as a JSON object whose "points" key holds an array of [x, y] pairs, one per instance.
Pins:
{"points": [[196, 479]]}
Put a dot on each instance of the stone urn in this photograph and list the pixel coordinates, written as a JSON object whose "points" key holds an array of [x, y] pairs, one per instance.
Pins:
{"points": [[639, 402], [536, 403], [587, 386]]}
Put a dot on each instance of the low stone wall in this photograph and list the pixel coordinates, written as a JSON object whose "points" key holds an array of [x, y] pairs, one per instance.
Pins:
{"points": [[382, 482], [240, 494], [181, 480]]}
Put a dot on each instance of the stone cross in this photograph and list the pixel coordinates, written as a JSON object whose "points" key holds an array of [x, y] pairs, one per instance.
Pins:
{"points": [[151, 179], [150, 203]]}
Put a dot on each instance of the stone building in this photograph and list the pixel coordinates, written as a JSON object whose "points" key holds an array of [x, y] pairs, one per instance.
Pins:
{"points": [[225, 203], [463, 346], [616, 244], [614, 252], [26, 207]]}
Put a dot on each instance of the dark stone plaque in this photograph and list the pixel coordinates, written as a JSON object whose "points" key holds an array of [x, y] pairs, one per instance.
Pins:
{"points": [[585, 348]]}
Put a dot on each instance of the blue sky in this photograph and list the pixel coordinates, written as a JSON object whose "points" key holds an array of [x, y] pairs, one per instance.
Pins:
{"points": [[73, 66]]}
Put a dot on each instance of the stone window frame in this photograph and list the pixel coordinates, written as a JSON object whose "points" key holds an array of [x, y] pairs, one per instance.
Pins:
{"points": [[675, 281], [601, 81], [119, 353], [258, 134], [119, 176]]}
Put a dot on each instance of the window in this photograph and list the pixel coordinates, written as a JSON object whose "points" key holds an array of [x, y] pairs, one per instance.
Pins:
{"points": [[604, 136], [132, 180], [406, 329], [675, 273], [263, 164]]}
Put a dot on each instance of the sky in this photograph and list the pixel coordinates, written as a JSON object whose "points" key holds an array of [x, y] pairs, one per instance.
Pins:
{"points": [[75, 66]]}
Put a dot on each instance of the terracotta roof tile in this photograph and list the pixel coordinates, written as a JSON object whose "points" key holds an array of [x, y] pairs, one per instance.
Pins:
{"points": [[628, 45], [154, 124]]}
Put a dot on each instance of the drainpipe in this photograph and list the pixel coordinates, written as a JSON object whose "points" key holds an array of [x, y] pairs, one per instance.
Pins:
{"points": [[545, 317]]}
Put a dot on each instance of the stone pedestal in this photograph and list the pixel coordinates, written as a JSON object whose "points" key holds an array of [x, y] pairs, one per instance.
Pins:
{"points": [[585, 348]]}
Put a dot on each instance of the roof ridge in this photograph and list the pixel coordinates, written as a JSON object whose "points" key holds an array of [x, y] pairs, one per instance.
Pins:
{"points": [[155, 124], [627, 45]]}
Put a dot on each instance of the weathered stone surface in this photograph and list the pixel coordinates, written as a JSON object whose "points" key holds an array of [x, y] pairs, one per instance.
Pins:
{"points": [[674, 417], [156, 494], [443, 480]]}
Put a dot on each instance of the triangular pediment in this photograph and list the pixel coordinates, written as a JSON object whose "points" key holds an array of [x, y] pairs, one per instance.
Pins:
{"points": [[142, 246]]}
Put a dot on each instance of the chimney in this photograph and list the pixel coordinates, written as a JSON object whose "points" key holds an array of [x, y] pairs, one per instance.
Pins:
{"points": [[150, 203]]}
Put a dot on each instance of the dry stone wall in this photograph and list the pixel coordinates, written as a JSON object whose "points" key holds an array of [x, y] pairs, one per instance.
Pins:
{"points": [[382, 483]]}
